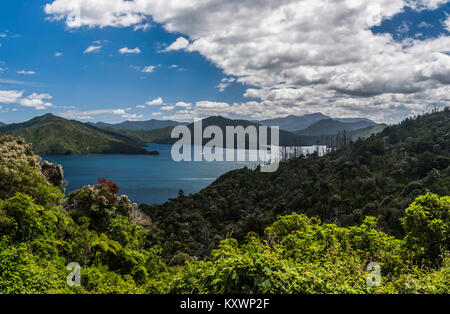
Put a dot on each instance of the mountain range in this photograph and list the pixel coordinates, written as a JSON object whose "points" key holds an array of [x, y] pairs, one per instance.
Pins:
{"points": [[332, 127], [2, 124], [50, 134], [55, 135], [294, 123]]}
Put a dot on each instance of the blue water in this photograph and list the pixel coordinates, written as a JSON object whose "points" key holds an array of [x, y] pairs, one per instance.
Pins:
{"points": [[144, 178]]}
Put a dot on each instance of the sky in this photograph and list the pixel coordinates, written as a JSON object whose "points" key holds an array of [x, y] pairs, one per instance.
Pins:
{"points": [[116, 60]]}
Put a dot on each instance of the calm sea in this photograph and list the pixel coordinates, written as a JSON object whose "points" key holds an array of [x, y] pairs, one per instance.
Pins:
{"points": [[144, 178]]}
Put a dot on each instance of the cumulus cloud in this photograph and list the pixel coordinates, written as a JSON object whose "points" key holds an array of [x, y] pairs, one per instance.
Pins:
{"points": [[224, 83], [156, 102], [167, 108], [183, 104], [58, 54], [92, 49], [126, 50], [34, 100], [180, 44], [296, 56]]}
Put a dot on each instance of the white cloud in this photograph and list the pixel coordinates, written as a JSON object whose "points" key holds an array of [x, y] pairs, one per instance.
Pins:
{"points": [[144, 27], [167, 108], [58, 54], [92, 49], [296, 56], [140, 106], [132, 116], [23, 72], [183, 104], [126, 50], [149, 69], [156, 102], [224, 83], [35, 100], [156, 113], [10, 96], [88, 114], [447, 23], [180, 44], [119, 111]]}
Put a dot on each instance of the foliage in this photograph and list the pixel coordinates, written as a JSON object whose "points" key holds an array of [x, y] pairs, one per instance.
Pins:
{"points": [[379, 176], [55, 135], [240, 235]]}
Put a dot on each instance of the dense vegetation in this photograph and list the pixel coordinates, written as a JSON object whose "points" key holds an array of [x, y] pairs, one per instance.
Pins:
{"points": [[55, 135], [143, 135], [200, 244], [368, 132], [379, 176]]}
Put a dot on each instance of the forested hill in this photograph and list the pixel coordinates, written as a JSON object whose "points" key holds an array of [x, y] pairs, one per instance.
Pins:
{"points": [[119, 249], [2, 124], [55, 135], [377, 176]]}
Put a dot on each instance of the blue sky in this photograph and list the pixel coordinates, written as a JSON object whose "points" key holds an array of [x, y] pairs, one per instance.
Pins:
{"points": [[46, 67]]}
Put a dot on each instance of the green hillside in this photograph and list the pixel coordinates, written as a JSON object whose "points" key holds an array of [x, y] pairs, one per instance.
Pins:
{"points": [[54, 135], [379, 176], [248, 232], [142, 135], [2, 124], [367, 132]]}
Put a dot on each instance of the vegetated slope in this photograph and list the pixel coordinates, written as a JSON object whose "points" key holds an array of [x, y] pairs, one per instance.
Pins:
{"points": [[118, 246], [2, 124], [333, 127], [294, 123], [54, 135], [142, 135], [367, 132], [378, 176], [140, 125]]}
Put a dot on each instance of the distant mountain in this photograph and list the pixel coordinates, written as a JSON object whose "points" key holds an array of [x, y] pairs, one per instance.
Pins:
{"points": [[294, 123], [2, 124], [139, 125], [286, 138], [54, 135], [333, 126]]}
